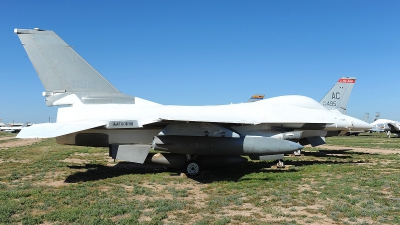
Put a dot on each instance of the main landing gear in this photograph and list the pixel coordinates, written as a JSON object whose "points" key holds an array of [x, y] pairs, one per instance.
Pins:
{"points": [[280, 163], [192, 167], [297, 152]]}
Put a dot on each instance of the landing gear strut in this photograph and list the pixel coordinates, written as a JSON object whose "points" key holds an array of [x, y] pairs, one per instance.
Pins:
{"points": [[280, 164], [297, 152]]}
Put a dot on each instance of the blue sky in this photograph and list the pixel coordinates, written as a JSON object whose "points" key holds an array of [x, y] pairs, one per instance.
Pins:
{"points": [[212, 52]]}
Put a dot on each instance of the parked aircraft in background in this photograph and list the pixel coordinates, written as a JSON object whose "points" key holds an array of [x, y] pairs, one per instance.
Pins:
{"points": [[380, 125], [385, 125], [394, 129], [190, 136], [14, 127]]}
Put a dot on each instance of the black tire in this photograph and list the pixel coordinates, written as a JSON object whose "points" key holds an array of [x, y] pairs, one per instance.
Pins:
{"points": [[192, 168]]}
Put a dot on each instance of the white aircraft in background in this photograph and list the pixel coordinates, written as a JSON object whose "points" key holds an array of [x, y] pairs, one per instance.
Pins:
{"points": [[394, 128], [191, 137], [11, 129], [385, 125], [380, 125], [14, 127]]}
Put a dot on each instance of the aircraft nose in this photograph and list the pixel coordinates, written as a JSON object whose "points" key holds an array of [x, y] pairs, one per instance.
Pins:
{"points": [[360, 125]]}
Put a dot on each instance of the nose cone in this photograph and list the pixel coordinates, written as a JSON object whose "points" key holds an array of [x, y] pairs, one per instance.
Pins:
{"points": [[360, 125], [282, 146], [295, 146]]}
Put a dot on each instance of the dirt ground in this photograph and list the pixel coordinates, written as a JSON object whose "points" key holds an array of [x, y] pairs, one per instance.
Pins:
{"points": [[6, 138], [13, 142]]}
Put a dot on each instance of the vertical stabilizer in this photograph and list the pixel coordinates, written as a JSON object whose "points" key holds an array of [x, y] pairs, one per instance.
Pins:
{"points": [[377, 115], [338, 96], [366, 118], [66, 77]]}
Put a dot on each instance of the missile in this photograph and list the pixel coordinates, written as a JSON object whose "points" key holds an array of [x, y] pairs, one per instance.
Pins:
{"points": [[203, 145]]}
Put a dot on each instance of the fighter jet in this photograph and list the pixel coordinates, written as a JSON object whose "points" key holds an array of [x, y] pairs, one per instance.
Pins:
{"points": [[95, 113]]}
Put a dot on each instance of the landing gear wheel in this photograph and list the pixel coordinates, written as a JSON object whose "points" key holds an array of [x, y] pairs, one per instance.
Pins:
{"points": [[297, 152], [192, 168], [280, 164]]}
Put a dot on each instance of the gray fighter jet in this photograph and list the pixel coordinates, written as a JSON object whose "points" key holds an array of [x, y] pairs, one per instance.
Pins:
{"points": [[95, 113]]}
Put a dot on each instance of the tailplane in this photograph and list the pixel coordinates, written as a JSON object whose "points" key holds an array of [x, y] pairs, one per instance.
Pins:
{"points": [[338, 96], [67, 78]]}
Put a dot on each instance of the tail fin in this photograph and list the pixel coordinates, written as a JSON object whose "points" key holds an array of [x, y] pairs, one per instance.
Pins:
{"points": [[338, 96], [66, 77], [366, 117]]}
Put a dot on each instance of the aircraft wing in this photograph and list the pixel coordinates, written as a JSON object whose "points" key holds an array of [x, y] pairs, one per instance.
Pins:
{"points": [[49, 130], [276, 125]]}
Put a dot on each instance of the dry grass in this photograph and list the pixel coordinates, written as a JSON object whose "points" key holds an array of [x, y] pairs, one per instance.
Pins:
{"points": [[46, 183]]}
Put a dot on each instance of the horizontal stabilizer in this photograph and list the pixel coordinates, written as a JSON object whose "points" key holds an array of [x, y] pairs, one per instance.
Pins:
{"points": [[49, 130]]}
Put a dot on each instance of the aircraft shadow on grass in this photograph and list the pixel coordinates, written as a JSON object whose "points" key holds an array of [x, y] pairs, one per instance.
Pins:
{"points": [[238, 172], [339, 153], [234, 173], [99, 172]]}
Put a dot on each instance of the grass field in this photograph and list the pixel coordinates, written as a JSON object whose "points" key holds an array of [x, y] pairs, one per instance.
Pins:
{"points": [[46, 183]]}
